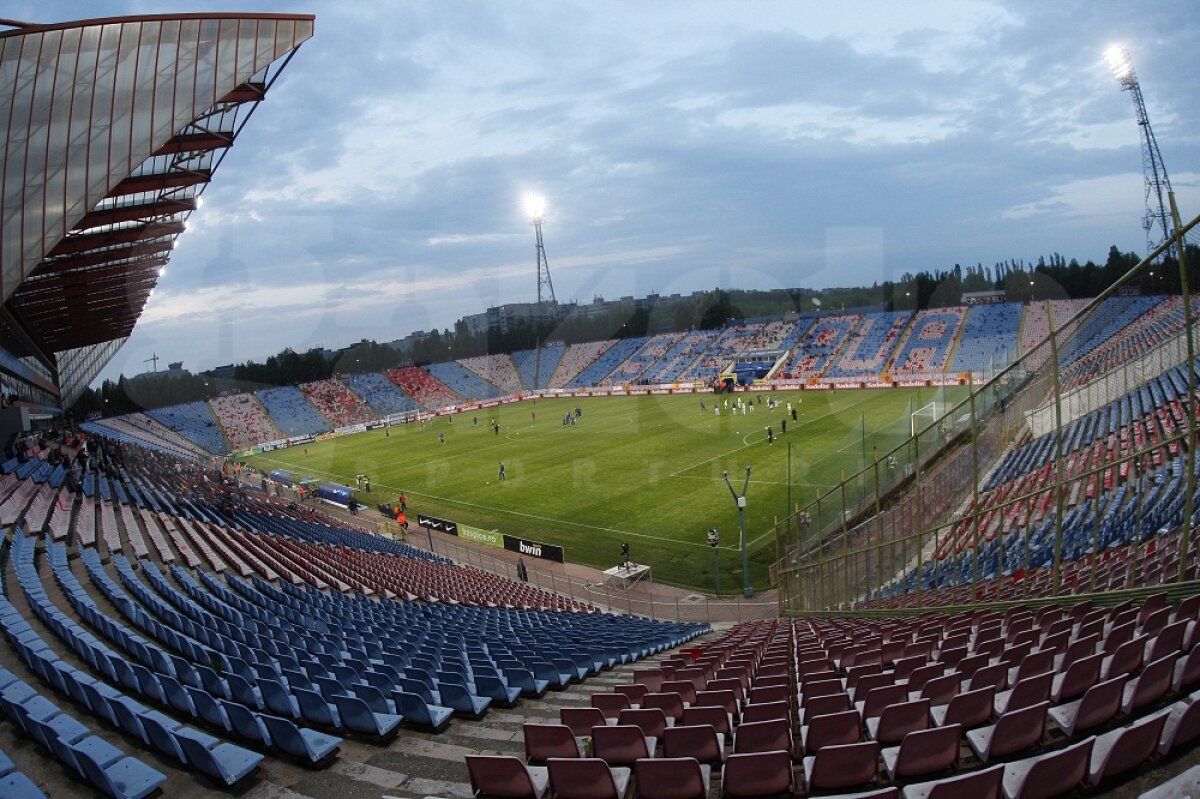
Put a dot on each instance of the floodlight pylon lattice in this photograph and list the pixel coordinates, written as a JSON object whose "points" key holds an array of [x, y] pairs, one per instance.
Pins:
{"points": [[545, 286], [1157, 221]]}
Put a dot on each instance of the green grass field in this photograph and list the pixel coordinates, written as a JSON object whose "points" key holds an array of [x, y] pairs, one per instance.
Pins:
{"points": [[644, 470]]}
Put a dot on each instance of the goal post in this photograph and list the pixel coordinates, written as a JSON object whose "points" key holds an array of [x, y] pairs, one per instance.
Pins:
{"points": [[927, 416]]}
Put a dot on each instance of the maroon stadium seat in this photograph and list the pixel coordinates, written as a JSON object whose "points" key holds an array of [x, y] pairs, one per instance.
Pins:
{"points": [[700, 741], [923, 752], [586, 778], [1053, 774], [505, 775], [758, 774], [544, 741], [671, 778]]}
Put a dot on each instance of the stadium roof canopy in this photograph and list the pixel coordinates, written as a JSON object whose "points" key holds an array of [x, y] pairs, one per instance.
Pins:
{"points": [[114, 127]]}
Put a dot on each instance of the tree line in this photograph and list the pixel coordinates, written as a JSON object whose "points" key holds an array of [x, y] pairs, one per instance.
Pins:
{"points": [[1052, 277]]}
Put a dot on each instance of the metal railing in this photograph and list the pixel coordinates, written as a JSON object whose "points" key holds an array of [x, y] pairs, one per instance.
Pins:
{"points": [[641, 599], [921, 525]]}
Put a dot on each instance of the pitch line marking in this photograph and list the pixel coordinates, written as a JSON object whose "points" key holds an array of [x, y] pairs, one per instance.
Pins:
{"points": [[505, 511], [745, 445]]}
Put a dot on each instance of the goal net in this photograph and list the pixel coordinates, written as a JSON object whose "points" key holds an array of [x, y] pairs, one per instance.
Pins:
{"points": [[927, 416]]}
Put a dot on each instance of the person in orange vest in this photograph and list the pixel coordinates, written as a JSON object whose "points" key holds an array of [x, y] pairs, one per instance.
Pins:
{"points": [[402, 520]]}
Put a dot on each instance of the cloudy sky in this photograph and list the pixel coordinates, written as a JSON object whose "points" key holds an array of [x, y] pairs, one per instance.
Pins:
{"points": [[681, 146]]}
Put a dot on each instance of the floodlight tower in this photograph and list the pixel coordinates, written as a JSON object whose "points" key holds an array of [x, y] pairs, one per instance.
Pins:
{"points": [[535, 207], [1158, 185]]}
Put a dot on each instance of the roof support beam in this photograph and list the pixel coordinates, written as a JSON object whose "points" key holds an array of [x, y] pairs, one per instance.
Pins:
{"points": [[72, 262], [139, 184], [195, 142], [84, 242], [132, 213]]}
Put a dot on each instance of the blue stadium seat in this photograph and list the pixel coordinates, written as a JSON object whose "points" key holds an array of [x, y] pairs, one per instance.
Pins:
{"points": [[418, 712], [309, 745], [359, 718], [225, 763]]}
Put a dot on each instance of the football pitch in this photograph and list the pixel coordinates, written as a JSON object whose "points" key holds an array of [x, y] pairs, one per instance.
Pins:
{"points": [[646, 470]]}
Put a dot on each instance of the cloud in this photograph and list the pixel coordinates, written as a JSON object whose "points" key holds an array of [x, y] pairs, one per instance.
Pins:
{"points": [[1110, 196], [681, 145], [469, 238]]}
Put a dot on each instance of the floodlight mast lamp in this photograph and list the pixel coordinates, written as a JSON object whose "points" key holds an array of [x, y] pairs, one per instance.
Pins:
{"points": [[1158, 185], [535, 208], [740, 501]]}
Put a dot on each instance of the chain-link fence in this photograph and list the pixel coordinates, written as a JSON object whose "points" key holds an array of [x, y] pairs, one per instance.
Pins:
{"points": [[1069, 471]]}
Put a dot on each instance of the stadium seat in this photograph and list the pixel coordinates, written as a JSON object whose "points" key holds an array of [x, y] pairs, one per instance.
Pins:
{"points": [[581, 720], [621, 745], [923, 752], [1052, 774], [358, 717], [225, 763], [1125, 748], [544, 741], [763, 736], [715, 715], [586, 778], [983, 784], [1025, 692], [671, 704], [651, 721], [700, 741], [505, 775], [419, 713], [841, 766], [1099, 704], [17, 786], [827, 730], [308, 745], [120, 777], [970, 709], [671, 778], [899, 719], [611, 704], [758, 774], [492, 687], [1013, 732], [462, 701]]}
